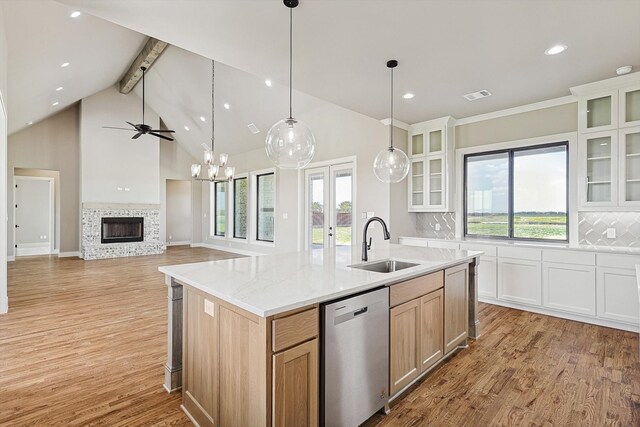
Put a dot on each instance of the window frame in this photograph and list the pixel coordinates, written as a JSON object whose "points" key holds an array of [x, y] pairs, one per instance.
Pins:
{"points": [[215, 209], [255, 191], [510, 214], [232, 194]]}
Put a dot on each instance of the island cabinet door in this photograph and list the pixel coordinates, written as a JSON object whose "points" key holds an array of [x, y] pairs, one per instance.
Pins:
{"points": [[404, 344], [200, 361], [295, 386], [432, 329], [456, 307]]}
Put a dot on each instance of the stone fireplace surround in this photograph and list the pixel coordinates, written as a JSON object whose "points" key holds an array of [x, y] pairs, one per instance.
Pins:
{"points": [[92, 214]]}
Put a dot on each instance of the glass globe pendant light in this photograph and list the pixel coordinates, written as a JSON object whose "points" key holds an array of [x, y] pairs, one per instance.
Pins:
{"points": [[290, 144], [213, 169], [391, 165]]}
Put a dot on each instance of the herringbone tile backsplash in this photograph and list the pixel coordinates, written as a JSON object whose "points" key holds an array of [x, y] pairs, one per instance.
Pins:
{"points": [[592, 228]]}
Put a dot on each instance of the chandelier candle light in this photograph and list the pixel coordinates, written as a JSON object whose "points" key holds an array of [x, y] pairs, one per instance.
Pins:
{"points": [[213, 169], [391, 165], [290, 144]]}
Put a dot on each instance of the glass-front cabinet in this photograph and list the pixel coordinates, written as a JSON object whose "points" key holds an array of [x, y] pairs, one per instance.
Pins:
{"points": [[431, 154], [629, 99], [598, 112], [598, 152], [629, 141]]}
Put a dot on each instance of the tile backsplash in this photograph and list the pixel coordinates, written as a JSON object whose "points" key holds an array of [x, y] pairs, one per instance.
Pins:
{"points": [[426, 225], [592, 228]]}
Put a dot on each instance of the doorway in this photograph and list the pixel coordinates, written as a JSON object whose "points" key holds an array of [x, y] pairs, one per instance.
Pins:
{"points": [[178, 205], [329, 206], [34, 215]]}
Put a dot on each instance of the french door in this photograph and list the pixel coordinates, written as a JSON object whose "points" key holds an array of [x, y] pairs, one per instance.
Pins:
{"points": [[329, 200]]}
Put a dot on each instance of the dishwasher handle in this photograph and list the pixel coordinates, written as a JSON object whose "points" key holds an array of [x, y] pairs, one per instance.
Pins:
{"points": [[363, 310], [358, 313]]}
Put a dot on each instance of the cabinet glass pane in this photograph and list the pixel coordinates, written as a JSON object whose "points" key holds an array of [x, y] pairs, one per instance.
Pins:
{"points": [[599, 169], [632, 106], [417, 146], [435, 141], [435, 182], [632, 167], [417, 183], [599, 112]]}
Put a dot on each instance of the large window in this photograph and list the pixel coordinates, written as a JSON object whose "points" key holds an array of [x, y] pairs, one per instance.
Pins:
{"points": [[265, 215], [517, 194], [240, 187], [220, 202]]}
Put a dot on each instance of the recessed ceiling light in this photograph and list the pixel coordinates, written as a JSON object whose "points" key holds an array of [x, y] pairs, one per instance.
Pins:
{"points": [[64, 64], [226, 106], [554, 50], [75, 14], [55, 103], [58, 89], [268, 82], [186, 128], [29, 123], [408, 95], [203, 119], [624, 70]]}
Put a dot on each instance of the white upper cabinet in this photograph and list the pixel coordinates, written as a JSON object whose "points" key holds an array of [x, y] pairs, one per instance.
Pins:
{"points": [[609, 143], [431, 176]]}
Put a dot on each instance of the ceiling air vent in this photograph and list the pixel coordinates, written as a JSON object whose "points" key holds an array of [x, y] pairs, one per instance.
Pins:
{"points": [[477, 95], [253, 128]]}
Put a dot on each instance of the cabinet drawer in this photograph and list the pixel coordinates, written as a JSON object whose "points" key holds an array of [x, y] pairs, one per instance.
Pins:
{"points": [[415, 288], [489, 250], [291, 330], [520, 253], [569, 257], [618, 261]]}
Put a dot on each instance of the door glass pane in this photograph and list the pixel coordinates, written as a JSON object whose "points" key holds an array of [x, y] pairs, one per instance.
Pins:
{"points": [[316, 210], [344, 212], [417, 146], [487, 198], [417, 183], [435, 182], [540, 205], [632, 106], [265, 207], [632, 167], [599, 169], [221, 208], [240, 188], [599, 112], [435, 141]]}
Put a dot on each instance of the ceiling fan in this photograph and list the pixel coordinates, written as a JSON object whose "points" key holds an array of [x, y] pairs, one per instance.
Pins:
{"points": [[142, 128]]}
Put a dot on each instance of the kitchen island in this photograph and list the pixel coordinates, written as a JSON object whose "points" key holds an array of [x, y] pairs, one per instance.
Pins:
{"points": [[243, 334]]}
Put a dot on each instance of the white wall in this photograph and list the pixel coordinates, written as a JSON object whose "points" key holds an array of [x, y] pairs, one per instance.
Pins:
{"points": [[109, 158], [4, 300], [178, 199]]}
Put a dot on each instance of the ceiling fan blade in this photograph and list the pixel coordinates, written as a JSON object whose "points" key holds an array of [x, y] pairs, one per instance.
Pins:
{"points": [[161, 130], [134, 126], [111, 127], [161, 136], [137, 135]]}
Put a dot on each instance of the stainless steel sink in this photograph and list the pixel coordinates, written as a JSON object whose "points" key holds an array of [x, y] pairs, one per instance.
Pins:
{"points": [[385, 266]]}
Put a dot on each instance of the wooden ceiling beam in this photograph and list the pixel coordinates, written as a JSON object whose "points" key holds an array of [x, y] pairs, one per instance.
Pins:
{"points": [[152, 49]]}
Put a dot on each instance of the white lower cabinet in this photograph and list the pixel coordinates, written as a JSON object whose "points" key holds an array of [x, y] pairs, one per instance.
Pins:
{"points": [[617, 295], [569, 287], [520, 281], [487, 280]]}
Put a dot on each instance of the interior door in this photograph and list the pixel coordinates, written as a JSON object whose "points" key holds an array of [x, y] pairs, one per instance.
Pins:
{"points": [[329, 200]]}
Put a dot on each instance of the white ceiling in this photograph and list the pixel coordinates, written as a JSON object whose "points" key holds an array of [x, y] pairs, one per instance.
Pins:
{"points": [[41, 36], [445, 48]]}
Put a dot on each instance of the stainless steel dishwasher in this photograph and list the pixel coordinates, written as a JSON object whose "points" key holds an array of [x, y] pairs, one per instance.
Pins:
{"points": [[355, 358]]}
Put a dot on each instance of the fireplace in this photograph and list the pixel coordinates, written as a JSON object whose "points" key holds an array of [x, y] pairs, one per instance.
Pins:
{"points": [[126, 229]]}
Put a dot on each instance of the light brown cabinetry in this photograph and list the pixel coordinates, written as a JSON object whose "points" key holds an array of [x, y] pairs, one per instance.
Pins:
{"points": [[404, 346], [456, 313], [432, 329]]}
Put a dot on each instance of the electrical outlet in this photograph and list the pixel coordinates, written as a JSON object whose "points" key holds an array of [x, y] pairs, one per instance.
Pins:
{"points": [[370, 214], [285, 216], [170, 237], [437, 227], [364, 215], [611, 233], [208, 307]]}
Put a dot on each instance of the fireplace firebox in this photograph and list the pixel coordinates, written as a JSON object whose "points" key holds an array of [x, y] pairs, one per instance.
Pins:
{"points": [[119, 230]]}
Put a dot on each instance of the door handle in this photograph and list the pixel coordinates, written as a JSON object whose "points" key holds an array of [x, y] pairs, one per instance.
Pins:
{"points": [[330, 231], [17, 226]]}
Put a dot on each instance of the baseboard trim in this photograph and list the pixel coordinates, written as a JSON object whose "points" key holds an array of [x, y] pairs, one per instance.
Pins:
{"points": [[11, 258], [32, 249], [226, 249], [4, 304], [68, 254], [569, 316], [182, 243]]}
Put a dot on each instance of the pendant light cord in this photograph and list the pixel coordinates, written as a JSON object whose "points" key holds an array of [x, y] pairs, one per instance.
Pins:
{"points": [[290, 62], [391, 124], [213, 121]]}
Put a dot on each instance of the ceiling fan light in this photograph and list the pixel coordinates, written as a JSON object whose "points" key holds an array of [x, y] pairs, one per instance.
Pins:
{"points": [[195, 170]]}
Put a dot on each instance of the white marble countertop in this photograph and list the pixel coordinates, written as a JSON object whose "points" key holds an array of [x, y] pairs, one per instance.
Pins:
{"points": [[270, 284], [539, 245]]}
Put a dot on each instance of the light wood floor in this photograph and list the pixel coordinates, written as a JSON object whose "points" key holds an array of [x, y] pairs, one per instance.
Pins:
{"points": [[84, 344]]}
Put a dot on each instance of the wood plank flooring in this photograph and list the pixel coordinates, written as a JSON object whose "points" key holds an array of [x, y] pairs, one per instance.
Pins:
{"points": [[84, 343]]}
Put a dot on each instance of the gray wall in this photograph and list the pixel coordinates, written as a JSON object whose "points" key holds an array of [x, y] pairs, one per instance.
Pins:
{"points": [[52, 144], [56, 185], [547, 121], [401, 222], [178, 208]]}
